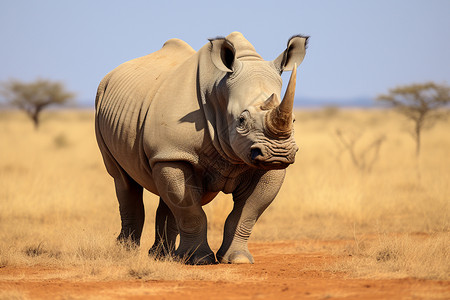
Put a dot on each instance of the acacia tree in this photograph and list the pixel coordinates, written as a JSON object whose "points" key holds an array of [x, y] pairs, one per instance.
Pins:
{"points": [[35, 96], [422, 103]]}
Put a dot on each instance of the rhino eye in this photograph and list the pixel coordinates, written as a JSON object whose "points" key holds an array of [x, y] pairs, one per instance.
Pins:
{"points": [[243, 119]]}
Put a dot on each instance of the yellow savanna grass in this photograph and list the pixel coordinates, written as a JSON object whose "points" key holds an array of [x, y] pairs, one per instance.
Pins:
{"points": [[398, 256], [58, 205]]}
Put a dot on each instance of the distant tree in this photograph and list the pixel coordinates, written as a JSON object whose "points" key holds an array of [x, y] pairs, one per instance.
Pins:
{"points": [[422, 103], [363, 159], [35, 96]]}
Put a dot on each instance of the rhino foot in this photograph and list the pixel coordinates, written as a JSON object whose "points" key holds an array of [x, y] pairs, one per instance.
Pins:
{"points": [[237, 257], [159, 252], [128, 242], [198, 259]]}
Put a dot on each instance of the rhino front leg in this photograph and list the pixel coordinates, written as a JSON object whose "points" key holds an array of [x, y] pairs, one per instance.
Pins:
{"points": [[178, 188], [250, 201], [166, 232], [131, 207]]}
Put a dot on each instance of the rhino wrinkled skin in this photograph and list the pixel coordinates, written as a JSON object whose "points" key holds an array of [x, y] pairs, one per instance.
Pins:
{"points": [[187, 125]]}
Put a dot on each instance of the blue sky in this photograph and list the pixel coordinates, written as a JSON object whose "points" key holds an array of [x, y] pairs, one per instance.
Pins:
{"points": [[357, 48]]}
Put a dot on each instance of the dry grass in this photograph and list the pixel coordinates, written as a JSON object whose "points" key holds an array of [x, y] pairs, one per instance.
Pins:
{"points": [[391, 256], [58, 206]]}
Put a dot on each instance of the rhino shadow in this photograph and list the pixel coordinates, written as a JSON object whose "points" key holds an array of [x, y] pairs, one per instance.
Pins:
{"points": [[195, 117]]}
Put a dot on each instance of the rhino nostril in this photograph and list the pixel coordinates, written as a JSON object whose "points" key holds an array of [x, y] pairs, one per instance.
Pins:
{"points": [[255, 152]]}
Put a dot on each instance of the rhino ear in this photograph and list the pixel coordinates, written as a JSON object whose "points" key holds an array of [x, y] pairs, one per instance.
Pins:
{"points": [[223, 54], [294, 53]]}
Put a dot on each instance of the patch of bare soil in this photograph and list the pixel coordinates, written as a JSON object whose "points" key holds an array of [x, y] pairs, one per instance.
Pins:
{"points": [[291, 270]]}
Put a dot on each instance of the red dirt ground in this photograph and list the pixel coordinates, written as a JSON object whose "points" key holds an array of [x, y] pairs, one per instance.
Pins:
{"points": [[281, 270]]}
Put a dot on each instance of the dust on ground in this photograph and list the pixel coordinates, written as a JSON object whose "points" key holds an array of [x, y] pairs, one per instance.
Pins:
{"points": [[282, 269]]}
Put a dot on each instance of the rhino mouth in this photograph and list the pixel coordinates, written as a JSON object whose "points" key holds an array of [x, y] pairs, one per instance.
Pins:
{"points": [[267, 158]]}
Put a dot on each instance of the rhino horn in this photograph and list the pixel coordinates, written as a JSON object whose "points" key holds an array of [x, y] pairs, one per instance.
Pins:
{"points": [[279, 119], [271, 102]]}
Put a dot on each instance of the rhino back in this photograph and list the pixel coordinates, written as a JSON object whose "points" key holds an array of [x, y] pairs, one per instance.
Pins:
{"points": [[123, 100]]}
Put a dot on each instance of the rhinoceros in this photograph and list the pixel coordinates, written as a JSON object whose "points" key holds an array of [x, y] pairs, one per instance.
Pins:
{"points": [[186, 125]]}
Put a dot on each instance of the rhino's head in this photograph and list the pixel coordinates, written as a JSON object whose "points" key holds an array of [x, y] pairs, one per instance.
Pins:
{"points": [[259, 126]]}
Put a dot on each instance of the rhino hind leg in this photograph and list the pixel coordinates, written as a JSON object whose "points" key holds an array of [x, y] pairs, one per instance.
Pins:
{"points": [[131, 207], [129, 194], [166, 232]]}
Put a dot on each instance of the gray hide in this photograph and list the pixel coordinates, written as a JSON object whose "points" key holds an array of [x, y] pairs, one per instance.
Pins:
{"points": [[187, 125]]}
